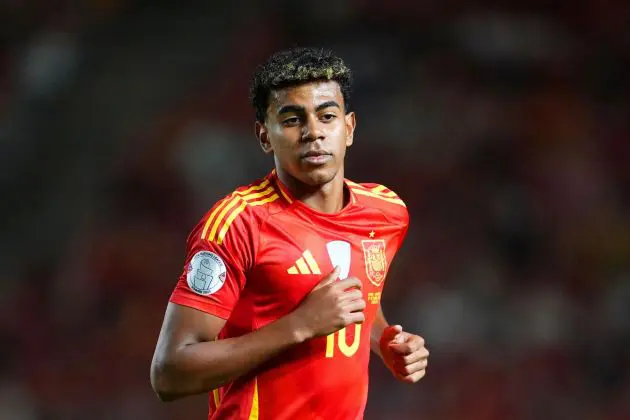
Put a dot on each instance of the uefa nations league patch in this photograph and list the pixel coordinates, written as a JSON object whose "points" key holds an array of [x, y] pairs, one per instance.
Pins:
{"points": [[205, 273]]}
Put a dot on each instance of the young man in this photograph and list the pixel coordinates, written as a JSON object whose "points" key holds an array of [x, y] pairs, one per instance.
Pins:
{"points": [[279, 304]]}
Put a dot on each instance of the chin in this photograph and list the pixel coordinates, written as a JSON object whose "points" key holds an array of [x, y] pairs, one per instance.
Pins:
{"points": [[318, 176]]}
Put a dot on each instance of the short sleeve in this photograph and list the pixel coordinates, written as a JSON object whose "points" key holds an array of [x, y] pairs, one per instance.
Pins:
{"points": [[219, 252], [388, 202], [404, 229]]}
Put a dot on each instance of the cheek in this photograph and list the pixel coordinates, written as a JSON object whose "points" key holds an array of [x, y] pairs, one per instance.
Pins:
{"points": [[342, 152], [282, 140], [341, 141]]}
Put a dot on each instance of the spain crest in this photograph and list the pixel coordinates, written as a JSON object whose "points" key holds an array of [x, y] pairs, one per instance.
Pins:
{"points": [[375, 260]]}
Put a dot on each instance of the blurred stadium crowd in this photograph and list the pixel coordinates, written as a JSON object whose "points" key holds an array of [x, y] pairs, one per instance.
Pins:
{"points": [[505, 128]]}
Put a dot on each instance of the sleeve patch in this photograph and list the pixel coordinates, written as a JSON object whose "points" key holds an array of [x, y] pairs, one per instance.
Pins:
{"points": [[206, 273]]}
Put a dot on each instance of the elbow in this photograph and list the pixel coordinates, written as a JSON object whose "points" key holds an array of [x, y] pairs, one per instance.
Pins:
{"points": [[164, 395], [162, 383]]}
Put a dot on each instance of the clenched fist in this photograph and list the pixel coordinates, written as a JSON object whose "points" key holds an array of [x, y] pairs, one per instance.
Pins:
{"points": [[329, 307], [404, 354]]}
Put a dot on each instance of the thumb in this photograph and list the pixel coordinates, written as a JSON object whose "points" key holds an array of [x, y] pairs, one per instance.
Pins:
{"points": [[391, 334], [329, 278]]}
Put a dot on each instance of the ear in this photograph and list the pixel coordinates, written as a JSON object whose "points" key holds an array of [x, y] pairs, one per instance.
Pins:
{"points": [[262, 136], [351, 123]]}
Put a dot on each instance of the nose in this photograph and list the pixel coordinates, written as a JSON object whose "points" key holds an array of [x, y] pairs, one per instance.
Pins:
{"points": [[312, 130]]}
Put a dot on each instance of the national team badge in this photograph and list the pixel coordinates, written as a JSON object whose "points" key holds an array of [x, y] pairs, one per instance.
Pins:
{"points": [[375, 260]]}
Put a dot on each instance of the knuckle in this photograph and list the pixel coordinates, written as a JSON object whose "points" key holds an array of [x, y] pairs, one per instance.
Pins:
{"points": [[340, 322]]}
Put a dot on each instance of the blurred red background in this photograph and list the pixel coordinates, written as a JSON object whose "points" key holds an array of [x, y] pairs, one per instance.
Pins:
{"points": [[505, 128]]}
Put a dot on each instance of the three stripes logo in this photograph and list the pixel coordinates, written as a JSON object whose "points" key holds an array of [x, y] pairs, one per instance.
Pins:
{"points": [[339, 253], [306, 264]]}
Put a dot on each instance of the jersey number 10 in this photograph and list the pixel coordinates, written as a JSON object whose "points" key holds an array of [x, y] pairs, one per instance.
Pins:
{"points": [[340, 255]]}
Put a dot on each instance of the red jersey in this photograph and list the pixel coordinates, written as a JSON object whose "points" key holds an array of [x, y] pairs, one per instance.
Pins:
{"points": [[255, 256]]}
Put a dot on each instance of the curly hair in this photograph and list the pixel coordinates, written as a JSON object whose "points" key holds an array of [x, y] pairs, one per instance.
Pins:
{"points": [[296, 66]]}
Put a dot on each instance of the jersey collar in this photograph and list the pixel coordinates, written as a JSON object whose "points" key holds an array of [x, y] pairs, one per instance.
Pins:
{"points": [[290, 199]]}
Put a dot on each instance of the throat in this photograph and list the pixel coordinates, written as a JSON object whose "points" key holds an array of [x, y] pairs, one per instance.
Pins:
{"points": [[330, 197], [327, 199]]}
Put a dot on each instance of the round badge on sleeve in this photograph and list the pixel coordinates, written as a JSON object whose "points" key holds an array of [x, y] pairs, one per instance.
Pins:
{"points": [[206, 273]]}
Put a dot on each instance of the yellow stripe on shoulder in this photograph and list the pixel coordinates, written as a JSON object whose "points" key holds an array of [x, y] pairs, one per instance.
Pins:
{"points": [[223, 208], [379, 196], [383, 190], [238, 210], [380, 191], [216, 210], [237, 204]]}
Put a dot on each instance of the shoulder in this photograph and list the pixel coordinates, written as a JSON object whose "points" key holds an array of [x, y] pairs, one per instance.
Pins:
{"points": [[380, 197], [238, 214]]}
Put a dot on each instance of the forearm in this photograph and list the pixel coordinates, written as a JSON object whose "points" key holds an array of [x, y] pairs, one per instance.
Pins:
{"points": [[379, 325], [202, 367]]}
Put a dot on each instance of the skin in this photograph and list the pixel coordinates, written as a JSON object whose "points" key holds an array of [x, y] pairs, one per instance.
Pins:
{"points": [[312, 117], [188, 358], [309, 117]]}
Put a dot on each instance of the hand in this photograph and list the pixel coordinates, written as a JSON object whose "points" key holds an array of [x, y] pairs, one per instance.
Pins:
{"points": [[329, 307], [404, 354]]}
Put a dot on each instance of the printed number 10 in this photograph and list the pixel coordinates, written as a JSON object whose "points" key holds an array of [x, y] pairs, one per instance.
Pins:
{"points": [[346, 350], [340, 255]]}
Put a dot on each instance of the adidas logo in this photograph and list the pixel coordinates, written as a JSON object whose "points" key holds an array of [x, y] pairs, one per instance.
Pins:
{"points": [[306, 264]]}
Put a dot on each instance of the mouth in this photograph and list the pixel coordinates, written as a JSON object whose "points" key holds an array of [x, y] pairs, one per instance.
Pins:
{"points": [[316, 157]]}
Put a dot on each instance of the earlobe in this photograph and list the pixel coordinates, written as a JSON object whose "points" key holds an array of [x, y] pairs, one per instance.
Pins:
{"points": [[350, 125], [263, 138], [266, 147]]}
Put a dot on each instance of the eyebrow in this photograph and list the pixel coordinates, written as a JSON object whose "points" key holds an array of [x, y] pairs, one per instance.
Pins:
{"points": [[298, 109]]}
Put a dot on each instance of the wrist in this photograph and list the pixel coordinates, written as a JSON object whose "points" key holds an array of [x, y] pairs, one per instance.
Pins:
{"points": [[376, 338], [296, 330]]}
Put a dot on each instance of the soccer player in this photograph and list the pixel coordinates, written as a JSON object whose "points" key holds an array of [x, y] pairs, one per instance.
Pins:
{"points": [[278, 306]]}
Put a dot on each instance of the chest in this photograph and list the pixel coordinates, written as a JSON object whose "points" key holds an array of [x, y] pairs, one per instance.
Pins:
{"points": [[294, 254]]}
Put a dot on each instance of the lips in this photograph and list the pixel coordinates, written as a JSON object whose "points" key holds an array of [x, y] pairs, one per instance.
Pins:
{"points": [[316, 157], [316, 153]]}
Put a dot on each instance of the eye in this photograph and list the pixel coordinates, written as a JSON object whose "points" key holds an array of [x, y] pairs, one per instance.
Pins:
{"points": [[329, 116], [291, 121]]}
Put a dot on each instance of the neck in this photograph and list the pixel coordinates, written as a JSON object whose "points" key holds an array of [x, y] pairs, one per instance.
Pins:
{"points": [[330, 197]]}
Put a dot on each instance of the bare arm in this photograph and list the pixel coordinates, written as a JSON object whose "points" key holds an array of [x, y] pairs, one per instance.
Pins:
{"points": [[380, 323], [190, 360]]}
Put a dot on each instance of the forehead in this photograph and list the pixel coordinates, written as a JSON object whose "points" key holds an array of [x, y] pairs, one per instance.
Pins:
{"points": [[307, 95]]}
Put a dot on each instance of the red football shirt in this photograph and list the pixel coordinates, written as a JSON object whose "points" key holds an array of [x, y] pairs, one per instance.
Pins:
{"points": [[255, 256]]}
